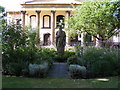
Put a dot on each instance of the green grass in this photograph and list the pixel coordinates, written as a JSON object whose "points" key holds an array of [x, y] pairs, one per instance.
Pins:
{"points": [[23, 82]]}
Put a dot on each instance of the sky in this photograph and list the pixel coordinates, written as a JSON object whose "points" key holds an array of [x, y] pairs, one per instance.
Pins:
{"points": [[11, 5]]}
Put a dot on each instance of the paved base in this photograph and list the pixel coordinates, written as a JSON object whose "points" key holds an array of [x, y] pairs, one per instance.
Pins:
{"points": [[59, 70]]}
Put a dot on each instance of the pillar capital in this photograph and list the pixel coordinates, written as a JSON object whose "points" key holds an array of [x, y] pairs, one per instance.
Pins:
{"points": [[38, 11], [53, 11], [23, 12], [68, 11]]}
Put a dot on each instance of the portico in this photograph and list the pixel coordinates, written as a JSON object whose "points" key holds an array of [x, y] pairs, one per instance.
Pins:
{"points": [[44, 17]]}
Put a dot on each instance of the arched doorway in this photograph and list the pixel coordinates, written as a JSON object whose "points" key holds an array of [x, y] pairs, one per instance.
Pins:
{"points": [[47, 39]]}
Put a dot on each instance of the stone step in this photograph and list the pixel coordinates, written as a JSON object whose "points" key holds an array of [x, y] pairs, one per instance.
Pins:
{"points": [[59, 70]]}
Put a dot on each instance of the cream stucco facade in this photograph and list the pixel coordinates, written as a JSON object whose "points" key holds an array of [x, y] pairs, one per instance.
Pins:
{"points": [[44, 15]]}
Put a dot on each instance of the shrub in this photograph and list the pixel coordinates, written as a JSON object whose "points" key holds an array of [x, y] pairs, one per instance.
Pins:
{"points": [[102, 68], [64, 57], [13, 37], [41, 59], [48, 52], [98, 61], [68, 54], [45, 54], [18, 61], [91, 55], [79, 50], [75, 60], [77, 71], [42, 62], [102, 62], [38, 70], [18, 50], [59, 58], [18, 68]]}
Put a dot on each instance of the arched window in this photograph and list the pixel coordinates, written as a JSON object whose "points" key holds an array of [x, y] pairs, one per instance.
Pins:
{"points": [[46, 21], [60, 18], [33, 21]]}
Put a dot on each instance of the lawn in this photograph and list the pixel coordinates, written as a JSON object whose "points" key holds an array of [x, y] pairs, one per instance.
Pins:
{"points": [[49, 82]]}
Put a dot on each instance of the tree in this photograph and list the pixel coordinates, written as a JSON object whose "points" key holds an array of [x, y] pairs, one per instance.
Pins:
{"points": [[97, 18], [2, 14], [1, 11]]}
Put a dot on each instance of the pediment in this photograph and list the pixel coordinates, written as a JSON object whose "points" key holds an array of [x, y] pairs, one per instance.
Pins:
{"points": [[53, 1]]}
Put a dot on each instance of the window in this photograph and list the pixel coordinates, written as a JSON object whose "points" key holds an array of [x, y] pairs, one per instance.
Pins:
{"points": [[46, 21], [60, 18], [33, 21]]}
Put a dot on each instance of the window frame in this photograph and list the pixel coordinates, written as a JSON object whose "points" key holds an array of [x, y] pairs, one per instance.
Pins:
{"points": [[31, 17], [49, 26]]}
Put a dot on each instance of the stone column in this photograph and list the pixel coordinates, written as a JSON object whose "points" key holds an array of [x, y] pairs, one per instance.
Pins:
{"points": [[23, 19], [38, 25], [53, 26], [67, 16], [82, 39], [98, 43]]}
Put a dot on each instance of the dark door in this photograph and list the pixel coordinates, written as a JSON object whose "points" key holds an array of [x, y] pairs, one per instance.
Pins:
{"points": [[47, 39]]}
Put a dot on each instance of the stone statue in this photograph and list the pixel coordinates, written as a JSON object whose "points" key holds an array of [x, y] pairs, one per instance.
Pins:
{"points": [[60, 40]]}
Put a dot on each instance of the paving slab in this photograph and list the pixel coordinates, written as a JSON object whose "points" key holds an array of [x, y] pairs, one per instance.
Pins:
{"points": [[59, 70]]}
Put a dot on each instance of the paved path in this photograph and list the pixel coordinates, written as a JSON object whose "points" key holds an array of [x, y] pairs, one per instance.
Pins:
{"points": [[59, 70]]}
